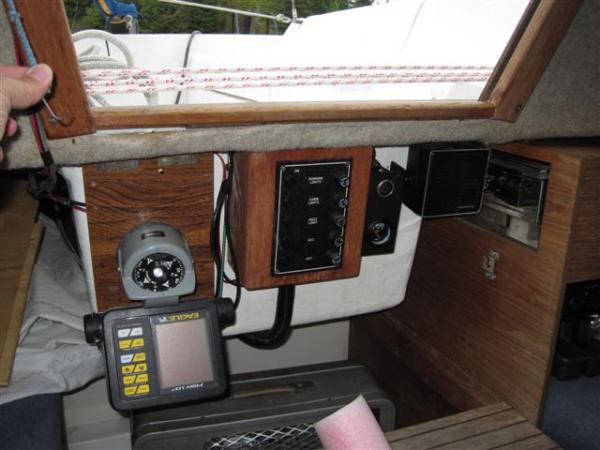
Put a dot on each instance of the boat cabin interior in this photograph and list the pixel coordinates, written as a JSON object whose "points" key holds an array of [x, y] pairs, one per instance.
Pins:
{"points": [[293, 224]]}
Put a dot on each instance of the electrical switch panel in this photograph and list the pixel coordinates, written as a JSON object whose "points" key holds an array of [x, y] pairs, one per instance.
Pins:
{"points": [[311, 205], [297, 216]]}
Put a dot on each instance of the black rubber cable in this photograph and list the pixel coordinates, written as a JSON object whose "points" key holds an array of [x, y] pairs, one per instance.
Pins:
{"points": [[215, 224], [281, 328], [232, 256], [186, 59]]}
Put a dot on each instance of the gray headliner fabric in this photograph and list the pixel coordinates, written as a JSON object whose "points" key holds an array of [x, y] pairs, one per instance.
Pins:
{"points": [[566, 103]]}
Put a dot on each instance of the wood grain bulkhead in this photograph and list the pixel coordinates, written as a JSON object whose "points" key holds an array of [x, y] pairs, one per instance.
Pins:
{"points": [[121, 196]]}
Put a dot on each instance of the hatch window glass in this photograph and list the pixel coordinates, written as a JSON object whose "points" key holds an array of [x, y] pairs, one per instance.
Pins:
{"points": [[164, 52]]}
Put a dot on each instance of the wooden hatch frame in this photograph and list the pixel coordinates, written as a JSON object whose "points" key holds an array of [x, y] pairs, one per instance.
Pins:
{"points": [[529, 51]]}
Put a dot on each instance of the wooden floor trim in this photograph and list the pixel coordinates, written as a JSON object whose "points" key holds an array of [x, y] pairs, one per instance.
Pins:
{"points": [[486, 428], [535, 442], [447, 422], [521, 424], [462, 431]]}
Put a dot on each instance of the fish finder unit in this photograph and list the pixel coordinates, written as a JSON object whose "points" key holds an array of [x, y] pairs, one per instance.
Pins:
{"points": [[164, 355], [165, 352]]}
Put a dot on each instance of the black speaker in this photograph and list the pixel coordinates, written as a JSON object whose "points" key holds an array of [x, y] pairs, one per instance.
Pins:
{"points": [[383, 209], [446, 179]]}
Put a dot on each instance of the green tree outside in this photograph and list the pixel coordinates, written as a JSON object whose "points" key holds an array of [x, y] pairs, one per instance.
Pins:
{"points": [[158, 17]]}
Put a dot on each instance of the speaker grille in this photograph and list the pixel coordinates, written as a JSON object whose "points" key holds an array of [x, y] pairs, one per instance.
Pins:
{"points": [[294, 437], [455, 182]]}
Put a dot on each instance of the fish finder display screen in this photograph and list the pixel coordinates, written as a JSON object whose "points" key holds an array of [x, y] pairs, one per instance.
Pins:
{"points": [[183, 353], [163, 355]]}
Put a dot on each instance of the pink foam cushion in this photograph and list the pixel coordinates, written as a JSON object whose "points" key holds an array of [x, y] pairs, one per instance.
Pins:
{"points": [[352, 427]]}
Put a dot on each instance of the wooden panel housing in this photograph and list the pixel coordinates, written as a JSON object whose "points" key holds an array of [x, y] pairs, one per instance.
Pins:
{"points": [[20, 241], [123, 195], [478, 341], [48, 31], [253, 207]]}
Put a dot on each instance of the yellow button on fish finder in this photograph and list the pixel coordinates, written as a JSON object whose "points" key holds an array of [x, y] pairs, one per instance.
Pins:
{"points": [[129, 379], [140, 368], [127, 369], [139, 357], [130, 390], [125, 344], [143, 378], [139, 342], [143, 389]]}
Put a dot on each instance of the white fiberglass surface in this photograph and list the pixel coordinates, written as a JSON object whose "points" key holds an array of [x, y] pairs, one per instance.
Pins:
{"points": [[397, 50], [381, 284]]}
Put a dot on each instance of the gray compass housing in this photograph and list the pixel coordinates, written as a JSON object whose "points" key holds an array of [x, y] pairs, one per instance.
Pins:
{"points": [[156, 264]]}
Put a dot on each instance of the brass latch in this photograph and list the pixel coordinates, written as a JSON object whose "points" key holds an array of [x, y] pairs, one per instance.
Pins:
{"points": [[489, 264]]}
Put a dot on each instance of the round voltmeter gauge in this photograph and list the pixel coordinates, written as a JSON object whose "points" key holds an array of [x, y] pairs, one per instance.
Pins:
{"points": [[379, 232], [158, 272], [155, 263]]}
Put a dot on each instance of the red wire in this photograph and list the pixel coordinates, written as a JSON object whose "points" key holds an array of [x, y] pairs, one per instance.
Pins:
{"points": [[38, 138], [36, 133], [17, 54], [70, 205]]}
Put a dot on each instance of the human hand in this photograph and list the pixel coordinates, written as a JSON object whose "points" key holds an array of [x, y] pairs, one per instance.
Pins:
{"points": [[20, 88]]}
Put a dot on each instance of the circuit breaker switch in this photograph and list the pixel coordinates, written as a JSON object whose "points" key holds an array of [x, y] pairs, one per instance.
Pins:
{"points": [[344, 181]]}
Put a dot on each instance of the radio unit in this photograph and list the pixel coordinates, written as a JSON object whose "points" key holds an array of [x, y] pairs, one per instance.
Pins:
{"points": [[513, 202]]}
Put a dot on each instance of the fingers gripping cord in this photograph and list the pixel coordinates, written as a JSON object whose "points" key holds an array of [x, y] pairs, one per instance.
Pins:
{"points": [[15, 18], [41, 185], [48, 181]]}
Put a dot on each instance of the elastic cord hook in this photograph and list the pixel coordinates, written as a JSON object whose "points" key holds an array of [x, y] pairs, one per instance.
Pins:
{"points": [[55, 118], [15, 18]]}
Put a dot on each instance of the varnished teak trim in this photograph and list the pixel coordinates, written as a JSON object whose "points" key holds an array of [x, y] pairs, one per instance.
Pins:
{"points": [[260, 113], [20, 243], [524, 67]]}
